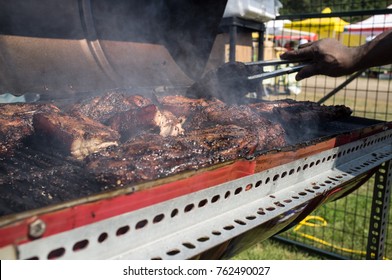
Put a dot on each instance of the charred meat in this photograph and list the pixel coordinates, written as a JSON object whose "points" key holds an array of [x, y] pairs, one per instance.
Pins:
{"points": [[270, 134], [125, 139], [144, 120], [300, 119], [16, 123], [129, 115], [311, 113], [182, 106], [102, 108], [221, 113], [295, 112], [12, 133], [150, 157], [78, 136], [266, 106]]}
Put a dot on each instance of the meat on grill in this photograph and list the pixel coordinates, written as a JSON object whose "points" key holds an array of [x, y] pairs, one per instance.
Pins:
{"points": [[145, 119], [138, 101], [12, 132], [312, 113], [270, 134], [300, 119], [175, 135], [296, 112], [16, 123], [130, 115], [267, 106], [152, 156], [76, 135], [183, 107], [102, 108]]}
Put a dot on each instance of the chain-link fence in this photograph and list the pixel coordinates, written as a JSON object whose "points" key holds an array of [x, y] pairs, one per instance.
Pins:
{"points": [[349, 227]]}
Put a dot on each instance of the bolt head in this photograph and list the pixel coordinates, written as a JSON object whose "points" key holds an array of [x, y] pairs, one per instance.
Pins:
{"points": [[37, 228]]}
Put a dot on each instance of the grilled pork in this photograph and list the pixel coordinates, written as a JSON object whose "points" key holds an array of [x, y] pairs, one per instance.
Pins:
{"points": [[183, 107], [312, 113], [152, 156], [145, 120], [300, 119], [267, 106], [138, 101], [155, 141], [12, 133], [270, 134], [129, 115], [16, 123], [78, 136], [294, 112], [102, 108]]}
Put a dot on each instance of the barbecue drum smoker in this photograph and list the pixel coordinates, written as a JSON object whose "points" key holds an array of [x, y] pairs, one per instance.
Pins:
{"points": [[52, 207]]}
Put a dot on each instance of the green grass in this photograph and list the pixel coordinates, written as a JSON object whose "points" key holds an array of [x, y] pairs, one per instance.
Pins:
{"points": [[271, 249]]}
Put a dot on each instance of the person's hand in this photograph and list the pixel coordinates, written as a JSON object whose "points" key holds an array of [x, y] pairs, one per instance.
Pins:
{"points": [[327, 57]]}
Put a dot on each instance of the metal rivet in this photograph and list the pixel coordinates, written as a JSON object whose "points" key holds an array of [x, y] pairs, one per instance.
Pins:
{"points": [[37, 228]]}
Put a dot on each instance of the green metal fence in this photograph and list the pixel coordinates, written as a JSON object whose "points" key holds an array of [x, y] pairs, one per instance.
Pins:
{"points": [[354, 227]]}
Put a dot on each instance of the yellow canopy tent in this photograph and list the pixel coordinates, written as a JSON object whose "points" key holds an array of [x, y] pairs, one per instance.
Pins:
{"points": [[330, 27]]}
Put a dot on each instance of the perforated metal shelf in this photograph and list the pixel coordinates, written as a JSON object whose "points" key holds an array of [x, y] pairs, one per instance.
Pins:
{"points": [[187, 226]]}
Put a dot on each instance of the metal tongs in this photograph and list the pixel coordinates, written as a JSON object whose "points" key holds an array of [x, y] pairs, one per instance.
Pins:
{"points": [[275, 73], [232, 81]]}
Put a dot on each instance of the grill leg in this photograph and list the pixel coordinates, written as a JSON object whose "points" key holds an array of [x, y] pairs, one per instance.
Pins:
{"points": [[379, 212], [233, 43], [260, 55]]}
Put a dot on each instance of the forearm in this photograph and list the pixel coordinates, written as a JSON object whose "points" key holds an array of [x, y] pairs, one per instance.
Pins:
{"points": [[329, 57], [374, 53]]}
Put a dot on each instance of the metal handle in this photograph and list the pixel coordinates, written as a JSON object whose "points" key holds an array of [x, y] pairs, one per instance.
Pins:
{"points": [[279, 72], [274, 62]]}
